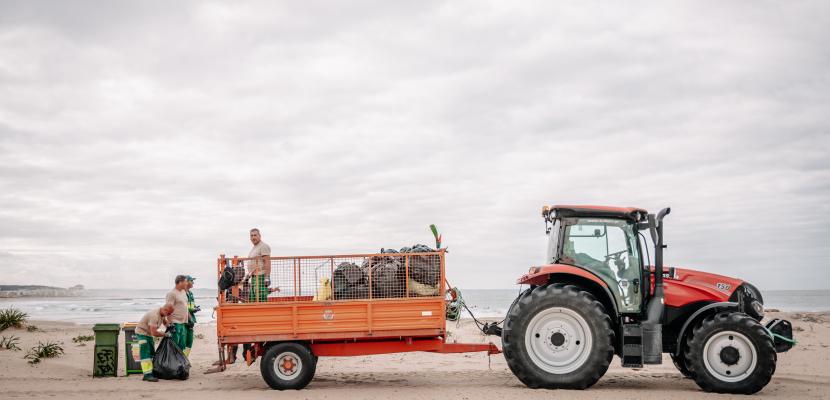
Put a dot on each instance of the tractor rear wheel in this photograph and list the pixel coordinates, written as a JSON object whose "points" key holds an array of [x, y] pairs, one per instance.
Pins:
{"points": [[680, 363], [730, 352], [558, 337]]}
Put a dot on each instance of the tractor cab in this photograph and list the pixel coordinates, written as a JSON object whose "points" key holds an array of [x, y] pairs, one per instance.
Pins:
{"points": [[604, 241]]}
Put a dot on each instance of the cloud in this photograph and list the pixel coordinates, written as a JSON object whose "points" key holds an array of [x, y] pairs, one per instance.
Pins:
{"points": [[138, 141]]}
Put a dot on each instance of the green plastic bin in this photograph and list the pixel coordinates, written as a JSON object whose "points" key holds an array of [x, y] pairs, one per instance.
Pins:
{"points": [[105, 359], [132, 359]]}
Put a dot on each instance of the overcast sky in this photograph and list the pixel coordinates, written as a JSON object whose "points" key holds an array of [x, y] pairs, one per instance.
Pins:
{"points": [[140, 140]]}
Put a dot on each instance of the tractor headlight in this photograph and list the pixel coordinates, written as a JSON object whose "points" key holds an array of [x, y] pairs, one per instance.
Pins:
{"points": [[756, 309]]}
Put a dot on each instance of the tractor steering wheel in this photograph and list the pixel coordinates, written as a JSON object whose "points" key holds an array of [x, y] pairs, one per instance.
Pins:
{"points": [[615, 255]]}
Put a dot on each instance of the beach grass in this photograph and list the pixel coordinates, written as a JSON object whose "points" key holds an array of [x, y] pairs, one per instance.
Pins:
{"points": [[9, 343], [49, 349], [32, 328], [83, 338], [12, 318]]}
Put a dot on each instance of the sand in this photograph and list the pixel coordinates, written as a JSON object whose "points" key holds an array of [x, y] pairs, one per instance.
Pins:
{"points": [[803, 373]]}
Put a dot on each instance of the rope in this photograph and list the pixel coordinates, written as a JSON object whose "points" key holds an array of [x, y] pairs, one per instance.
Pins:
{"points": [[774, 336], [479, 324]]}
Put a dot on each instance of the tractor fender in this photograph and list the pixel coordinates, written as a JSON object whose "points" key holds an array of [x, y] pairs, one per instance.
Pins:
{"points": [[563, 273], [601, 292], [697, 315], [539, 275]]}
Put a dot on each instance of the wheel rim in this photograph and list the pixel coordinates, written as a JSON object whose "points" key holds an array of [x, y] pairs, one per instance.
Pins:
{"points": [[558, 340], [729, 356], [288, 365]]}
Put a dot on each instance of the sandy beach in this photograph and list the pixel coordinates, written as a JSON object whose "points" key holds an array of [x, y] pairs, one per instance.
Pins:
{"points": [[803, 373]]}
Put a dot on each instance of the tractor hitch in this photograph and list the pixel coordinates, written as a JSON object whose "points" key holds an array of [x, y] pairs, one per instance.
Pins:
{"points": [[781, 332]]}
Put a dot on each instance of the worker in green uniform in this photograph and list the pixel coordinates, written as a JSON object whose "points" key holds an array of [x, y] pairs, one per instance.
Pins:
{"points": [[178, 298], [192, 309], [148, 327]]}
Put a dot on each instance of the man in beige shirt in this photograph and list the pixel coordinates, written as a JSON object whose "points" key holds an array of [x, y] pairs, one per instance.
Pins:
{"points": [[179, 317], [148, 327], [259, 268]]}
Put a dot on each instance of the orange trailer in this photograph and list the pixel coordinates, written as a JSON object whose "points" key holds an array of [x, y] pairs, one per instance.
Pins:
{"points": [[305, 307]]}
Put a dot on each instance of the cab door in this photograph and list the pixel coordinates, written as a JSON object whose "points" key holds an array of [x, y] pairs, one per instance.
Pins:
{"points": [[609, 249]]}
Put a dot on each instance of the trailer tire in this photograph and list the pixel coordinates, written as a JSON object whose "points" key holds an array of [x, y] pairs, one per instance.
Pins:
{"points": [[558, 337], [731, 352], [288, 365]]}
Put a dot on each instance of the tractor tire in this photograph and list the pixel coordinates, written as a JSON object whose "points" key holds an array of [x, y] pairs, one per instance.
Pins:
{"points": [[558, 337], [680, 363], [730, 352], [288, 365]]}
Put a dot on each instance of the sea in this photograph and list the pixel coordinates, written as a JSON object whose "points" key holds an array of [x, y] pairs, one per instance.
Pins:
{"points": [[128, 305]]}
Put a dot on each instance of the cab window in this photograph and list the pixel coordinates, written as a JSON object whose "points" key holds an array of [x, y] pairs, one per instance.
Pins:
{"points": [[608, 248]]}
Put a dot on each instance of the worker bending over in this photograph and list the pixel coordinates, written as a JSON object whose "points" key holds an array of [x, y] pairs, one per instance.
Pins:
{"points": [[144, 332]]}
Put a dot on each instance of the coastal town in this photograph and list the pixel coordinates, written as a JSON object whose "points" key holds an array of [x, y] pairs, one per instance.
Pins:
{"points": [[15, 291]]}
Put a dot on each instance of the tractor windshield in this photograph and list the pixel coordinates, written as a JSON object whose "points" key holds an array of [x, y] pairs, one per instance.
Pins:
{"points": [[608, 248]]}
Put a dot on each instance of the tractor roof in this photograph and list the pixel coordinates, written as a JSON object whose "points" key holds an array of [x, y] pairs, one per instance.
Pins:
{"points": [[633, 213]]}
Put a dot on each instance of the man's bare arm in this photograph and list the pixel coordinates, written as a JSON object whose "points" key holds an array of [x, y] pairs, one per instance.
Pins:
{"points": [[266, 263], [155, 331]]}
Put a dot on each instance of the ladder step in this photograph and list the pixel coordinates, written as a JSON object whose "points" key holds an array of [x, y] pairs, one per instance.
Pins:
{"points": [[632, 346]]}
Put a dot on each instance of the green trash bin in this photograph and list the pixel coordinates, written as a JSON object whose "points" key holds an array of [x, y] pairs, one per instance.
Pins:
{"points": [[132, 354], [105, 359]]}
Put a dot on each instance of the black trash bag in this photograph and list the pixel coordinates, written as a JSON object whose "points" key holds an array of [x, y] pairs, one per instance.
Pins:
{"points": [[227, 279], [424, 269], [353, 292], [169, 361], [388, 280], [349, 273], [349, 282], [387, 273]]}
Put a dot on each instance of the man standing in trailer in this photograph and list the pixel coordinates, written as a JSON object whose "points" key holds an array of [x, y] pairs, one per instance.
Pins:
{"points": [[259, 268]]}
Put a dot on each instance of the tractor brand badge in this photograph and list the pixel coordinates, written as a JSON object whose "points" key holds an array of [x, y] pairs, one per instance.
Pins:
{"points": [[724, 286], [328, 315]]}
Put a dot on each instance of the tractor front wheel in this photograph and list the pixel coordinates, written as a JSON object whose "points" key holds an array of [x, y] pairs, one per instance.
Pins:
{"points": [[558, 336], [730, 352]]}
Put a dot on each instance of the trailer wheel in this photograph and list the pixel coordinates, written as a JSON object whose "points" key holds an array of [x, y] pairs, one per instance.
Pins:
{"points": [[558, 336], [288, 365], [730, 352]]}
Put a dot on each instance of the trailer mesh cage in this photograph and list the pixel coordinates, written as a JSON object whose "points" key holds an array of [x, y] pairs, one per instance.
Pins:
{"points": [[331, 278]]}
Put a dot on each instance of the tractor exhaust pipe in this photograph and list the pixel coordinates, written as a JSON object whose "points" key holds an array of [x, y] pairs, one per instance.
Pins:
{"points": [[652, 326]]}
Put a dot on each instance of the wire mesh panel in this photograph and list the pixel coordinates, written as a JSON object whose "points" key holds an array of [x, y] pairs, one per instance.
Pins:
{"points": [[333, 278]]}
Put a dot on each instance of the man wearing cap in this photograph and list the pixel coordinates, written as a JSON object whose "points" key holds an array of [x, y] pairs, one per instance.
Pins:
{"points": [[192, 309], [148, 327], [179, 317]]}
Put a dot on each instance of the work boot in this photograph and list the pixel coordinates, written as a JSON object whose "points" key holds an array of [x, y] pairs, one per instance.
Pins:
{"points": [[150, 378]]}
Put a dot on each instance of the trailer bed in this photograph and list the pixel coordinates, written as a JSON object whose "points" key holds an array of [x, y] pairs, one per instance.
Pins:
{"points": [[306, 309]]}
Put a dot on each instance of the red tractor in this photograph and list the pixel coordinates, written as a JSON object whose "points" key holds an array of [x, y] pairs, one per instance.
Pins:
{"points": [[598, 296]]}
